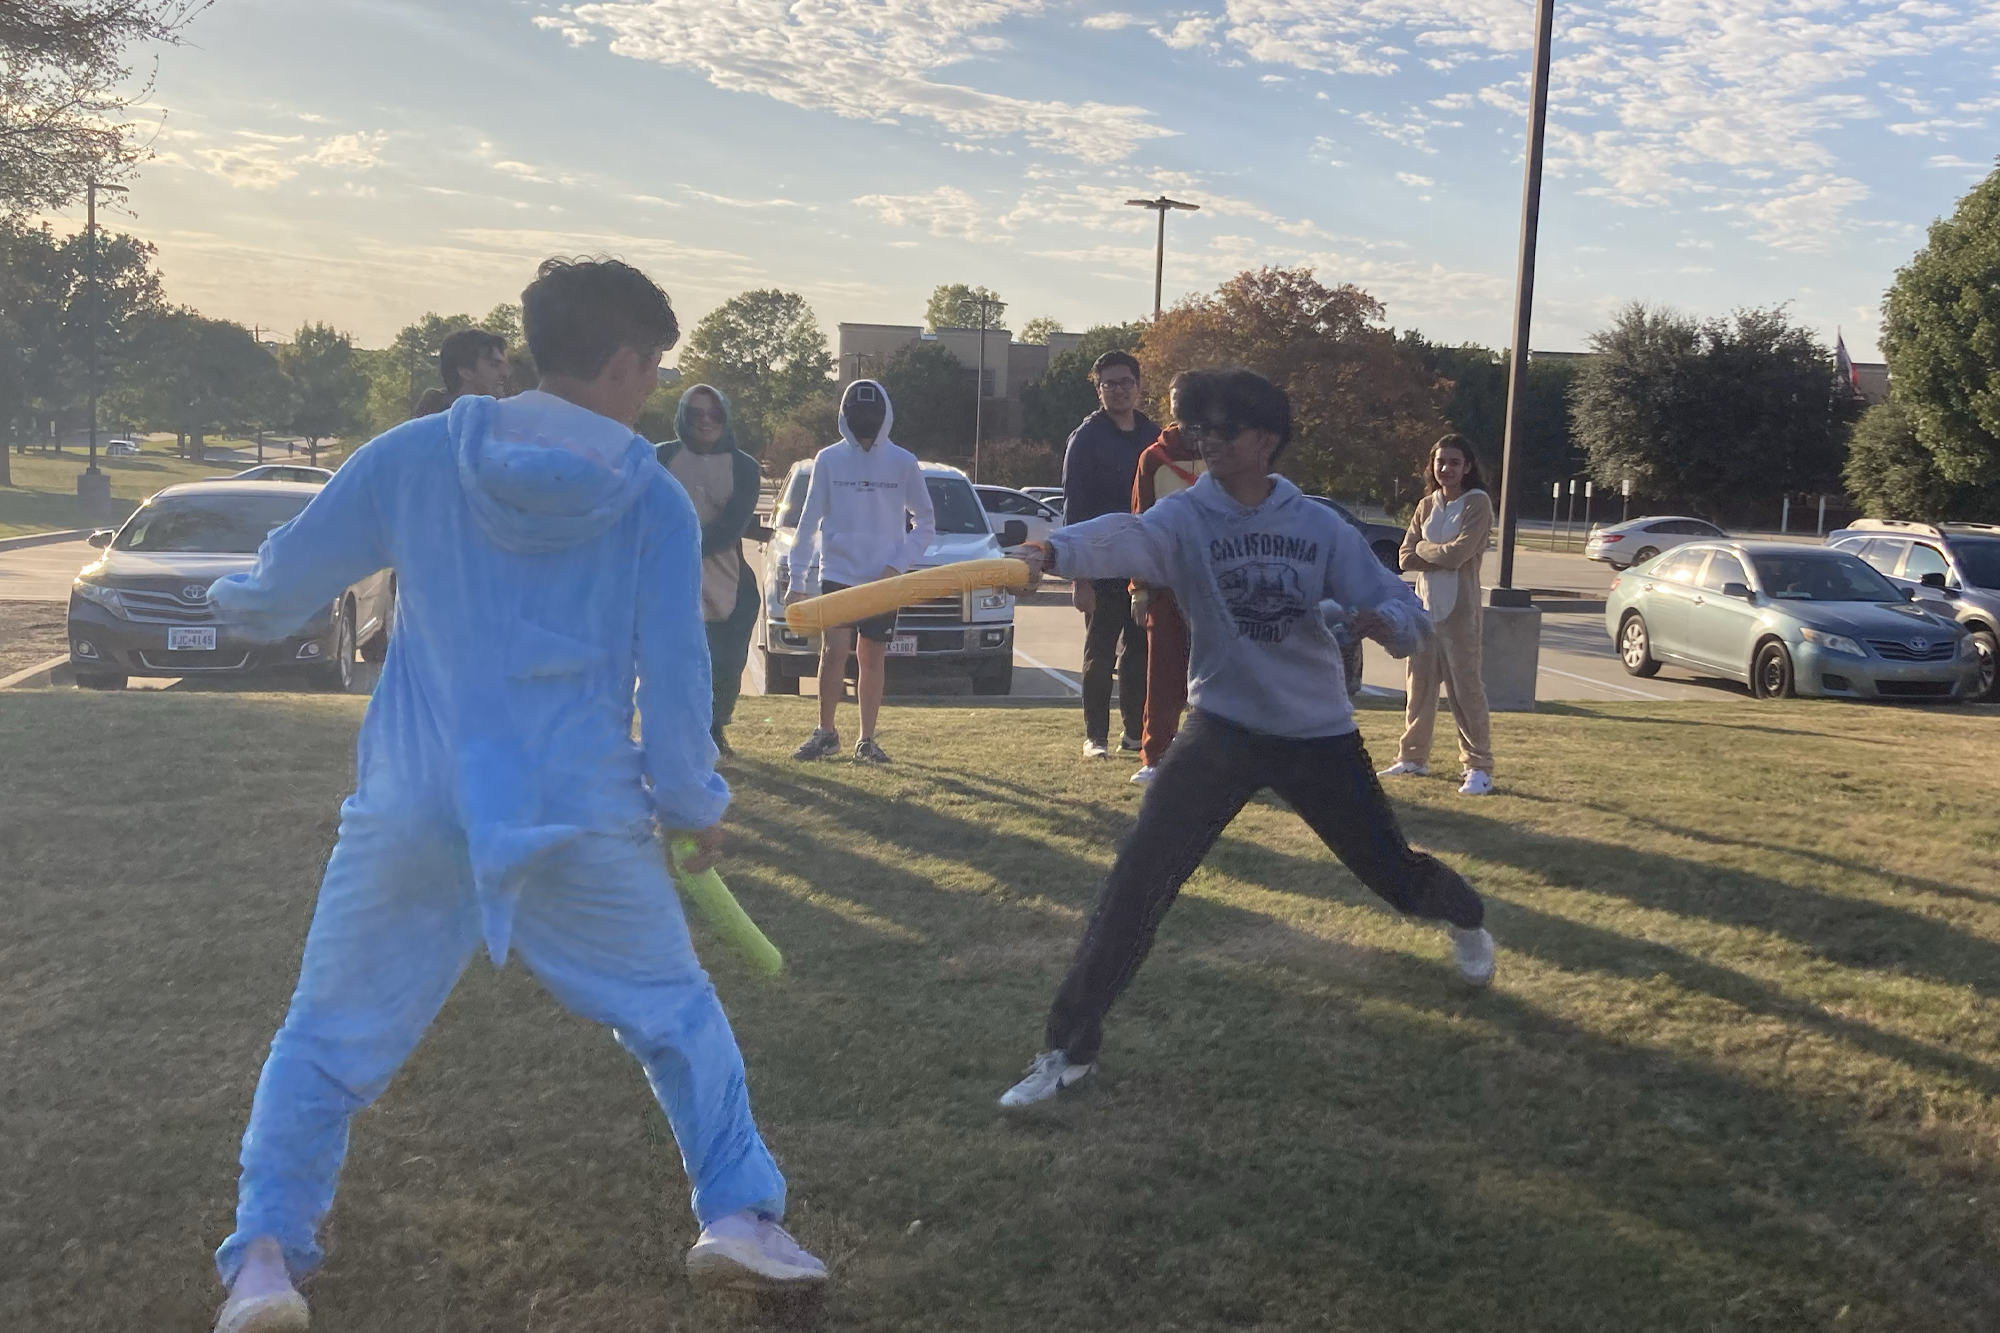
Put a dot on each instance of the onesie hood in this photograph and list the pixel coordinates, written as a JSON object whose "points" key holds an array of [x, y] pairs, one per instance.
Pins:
{"points": [[542, 474]]}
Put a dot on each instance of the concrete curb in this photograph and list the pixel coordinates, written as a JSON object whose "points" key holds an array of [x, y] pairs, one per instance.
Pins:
{"points": [[35, 677], [44, 539]]}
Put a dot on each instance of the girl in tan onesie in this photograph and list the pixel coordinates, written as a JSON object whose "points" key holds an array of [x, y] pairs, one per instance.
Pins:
{"points": [[1443, 548]]}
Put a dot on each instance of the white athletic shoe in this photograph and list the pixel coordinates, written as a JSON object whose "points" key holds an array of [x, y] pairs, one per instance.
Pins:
{"points": [[1403, 768], [261, 1299], [1095, 750], [1049, 1073], [1145, 775], [746, 1251], [1478, 782], [1473, 951]]}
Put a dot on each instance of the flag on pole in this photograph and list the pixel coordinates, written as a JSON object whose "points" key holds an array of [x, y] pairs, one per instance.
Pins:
{"points": [[1843, 365]]}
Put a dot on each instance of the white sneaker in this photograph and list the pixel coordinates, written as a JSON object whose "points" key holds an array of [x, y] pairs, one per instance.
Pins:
{"points": [[1096, 750], [1473, 951], [1403, 768], [748, 1251], [261, 1299], [1145, 775], [1478, 782], [1049, 1074]]}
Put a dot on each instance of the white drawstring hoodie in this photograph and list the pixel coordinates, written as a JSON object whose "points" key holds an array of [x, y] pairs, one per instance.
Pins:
{"points": [[859, 507]]}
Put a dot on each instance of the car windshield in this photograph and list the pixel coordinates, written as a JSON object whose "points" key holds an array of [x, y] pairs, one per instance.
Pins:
{"points": [[1829, 576], [1979, 562], [957, 506], [218, 524]]}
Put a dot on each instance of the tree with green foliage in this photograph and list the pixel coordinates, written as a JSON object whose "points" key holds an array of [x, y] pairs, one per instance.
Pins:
{"points": [[766, 350], [193, 376], [957, 306], [67, 93], [1475, 382], [933, 396], [329, 389], [1721, 417], [1891, 475], [1941, 335], [399, 373], [1056, 402], [1038, 329]]}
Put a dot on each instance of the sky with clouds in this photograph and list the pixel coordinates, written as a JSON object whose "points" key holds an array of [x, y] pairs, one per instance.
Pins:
{"points": [[362, 161]]}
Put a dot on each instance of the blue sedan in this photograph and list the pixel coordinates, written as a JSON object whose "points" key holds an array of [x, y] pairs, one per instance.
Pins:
{"points": [[1786, 619]]}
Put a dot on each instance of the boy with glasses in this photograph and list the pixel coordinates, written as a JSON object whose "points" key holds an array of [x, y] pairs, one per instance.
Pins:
{"points": [[1099, 468], [1262, 575]]}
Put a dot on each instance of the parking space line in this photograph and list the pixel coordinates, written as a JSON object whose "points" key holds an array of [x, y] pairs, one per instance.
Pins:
{"points": [[1605, 684], [1049, 671]]}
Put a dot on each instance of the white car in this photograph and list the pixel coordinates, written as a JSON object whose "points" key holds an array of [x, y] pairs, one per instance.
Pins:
{"points": [[120, 448], [1003, 503], [1623, 545], [964, 634], [1052, 496]]}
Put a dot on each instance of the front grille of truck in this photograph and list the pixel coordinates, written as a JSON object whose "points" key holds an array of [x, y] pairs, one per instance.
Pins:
{"points": [[937, 612]]}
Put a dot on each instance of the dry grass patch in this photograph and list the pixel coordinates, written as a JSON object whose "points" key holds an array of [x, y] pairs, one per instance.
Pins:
{"points": [[1738, 1072]]}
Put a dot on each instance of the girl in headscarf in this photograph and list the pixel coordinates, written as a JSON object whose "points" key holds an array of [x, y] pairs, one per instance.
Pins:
{"points": [[723, 482]]}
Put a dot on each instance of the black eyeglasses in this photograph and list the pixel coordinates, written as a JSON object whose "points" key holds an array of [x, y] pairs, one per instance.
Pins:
{"points": [[1112, 386], [703, 414], [1222, 432]]}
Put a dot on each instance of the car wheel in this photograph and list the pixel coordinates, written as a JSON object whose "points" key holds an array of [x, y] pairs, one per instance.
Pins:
{"points": [[337, 674], [1645, 553], [1635, 647], [377, 647], [1771, 674], [778, 679], [97, 680], [1988, 647]]}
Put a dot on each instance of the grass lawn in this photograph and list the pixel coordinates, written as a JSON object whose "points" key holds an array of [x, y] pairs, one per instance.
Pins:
{"points": [[1738, 1071], [43, 496]]}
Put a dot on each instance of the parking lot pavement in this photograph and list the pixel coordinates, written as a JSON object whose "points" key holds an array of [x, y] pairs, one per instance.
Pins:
{"points": [[42, 573]]}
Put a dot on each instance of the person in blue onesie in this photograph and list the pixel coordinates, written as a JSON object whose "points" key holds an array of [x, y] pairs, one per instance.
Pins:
{"points": [[546, 565]]}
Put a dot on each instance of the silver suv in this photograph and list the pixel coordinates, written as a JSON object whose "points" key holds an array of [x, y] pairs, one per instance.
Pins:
{"points": [[1949, 569]]}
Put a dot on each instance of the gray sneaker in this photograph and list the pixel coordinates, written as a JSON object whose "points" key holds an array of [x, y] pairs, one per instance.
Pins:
{"points": [[868, 752], [1049, 1073], [822, 744], [1472, 950]]}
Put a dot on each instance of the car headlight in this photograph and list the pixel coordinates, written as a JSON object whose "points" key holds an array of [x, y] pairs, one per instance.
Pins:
{"points": [[107, 598], [1834, 643], [1968, 647], [990, 599]]}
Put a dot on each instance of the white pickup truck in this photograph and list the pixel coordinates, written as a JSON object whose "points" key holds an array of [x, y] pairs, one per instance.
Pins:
{"points": [[967, 634]]}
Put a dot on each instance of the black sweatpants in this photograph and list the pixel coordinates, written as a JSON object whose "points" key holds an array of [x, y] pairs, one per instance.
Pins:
{"points": [[1210, 772], [1111, 636]]}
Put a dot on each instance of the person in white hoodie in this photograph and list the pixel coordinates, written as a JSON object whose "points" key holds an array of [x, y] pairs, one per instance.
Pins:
{"points": [[868, 516]]}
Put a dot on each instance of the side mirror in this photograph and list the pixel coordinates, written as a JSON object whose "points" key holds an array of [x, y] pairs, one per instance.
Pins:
{"points": [[1909, 594], [1738, 590], [1013, 532], [102, 537], [1933, 580]]}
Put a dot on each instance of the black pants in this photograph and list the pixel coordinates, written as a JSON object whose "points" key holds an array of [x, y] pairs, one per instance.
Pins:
{"points": [[1212, 769], [1104, 630]]}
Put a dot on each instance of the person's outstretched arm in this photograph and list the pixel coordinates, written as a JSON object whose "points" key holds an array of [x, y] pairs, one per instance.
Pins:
{"points": [[812, 516], [338, 539], [728, 527], [1469, 544], [1384, 607], [676, 699], [1113, 546], [923, 520]]}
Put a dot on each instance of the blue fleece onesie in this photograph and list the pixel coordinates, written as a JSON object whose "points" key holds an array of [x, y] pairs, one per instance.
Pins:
{"points": [[545, 564]]}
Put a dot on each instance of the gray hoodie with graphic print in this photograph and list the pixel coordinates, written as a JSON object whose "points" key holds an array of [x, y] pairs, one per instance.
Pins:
{"points": [[1251, 583]]}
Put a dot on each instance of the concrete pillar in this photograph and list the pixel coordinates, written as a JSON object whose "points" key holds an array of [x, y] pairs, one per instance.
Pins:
{"points": [[93, 494], [1510, 648]]}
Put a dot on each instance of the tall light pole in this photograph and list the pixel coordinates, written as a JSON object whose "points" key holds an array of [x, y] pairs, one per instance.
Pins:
{"points": [[96, 302], [1160, 206], [1524, 284], [986, 303]]}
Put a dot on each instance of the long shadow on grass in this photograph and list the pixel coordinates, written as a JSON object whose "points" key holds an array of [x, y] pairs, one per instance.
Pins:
{"points": [[1550, 709]]}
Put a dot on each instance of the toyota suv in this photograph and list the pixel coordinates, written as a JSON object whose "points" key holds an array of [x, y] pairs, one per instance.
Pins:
{"points": [[1950, 569], [969, 634]]}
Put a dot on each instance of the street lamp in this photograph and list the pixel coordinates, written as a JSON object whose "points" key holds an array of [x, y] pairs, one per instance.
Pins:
{"points": [[1160, 206], [1524, 292], [986, 303], [96, 302]]}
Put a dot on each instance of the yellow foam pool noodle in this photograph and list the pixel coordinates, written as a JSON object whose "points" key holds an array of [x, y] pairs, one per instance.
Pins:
{"points": [[884, 595], [718, 906]]}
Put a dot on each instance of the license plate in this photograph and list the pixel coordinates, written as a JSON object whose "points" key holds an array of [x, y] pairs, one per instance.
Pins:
{"points": [[198, 639], [903, 645]]}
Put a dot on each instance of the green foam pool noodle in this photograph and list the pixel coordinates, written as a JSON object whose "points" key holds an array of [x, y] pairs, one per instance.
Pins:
{"points": [[718, 907]]}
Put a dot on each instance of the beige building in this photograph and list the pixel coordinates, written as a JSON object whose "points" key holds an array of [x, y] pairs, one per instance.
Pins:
{"points": [[1010, 366]]}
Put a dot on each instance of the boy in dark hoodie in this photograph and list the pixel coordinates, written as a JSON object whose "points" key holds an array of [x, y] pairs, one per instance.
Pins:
{"points": [[1263, 576], [547, 566], [723, 482]]}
